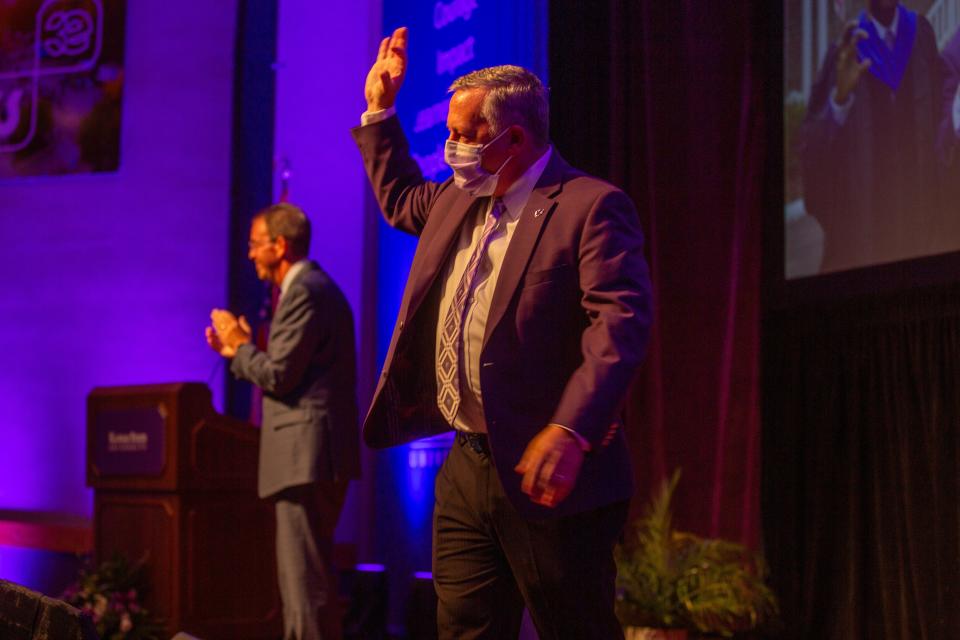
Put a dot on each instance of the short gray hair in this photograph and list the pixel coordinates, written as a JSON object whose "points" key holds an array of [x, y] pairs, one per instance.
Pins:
{"points": [[289, 221], [514, 96]]}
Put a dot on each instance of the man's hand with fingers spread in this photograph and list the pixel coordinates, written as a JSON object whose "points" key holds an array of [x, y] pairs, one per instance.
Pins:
{"points": [[387, 73]]}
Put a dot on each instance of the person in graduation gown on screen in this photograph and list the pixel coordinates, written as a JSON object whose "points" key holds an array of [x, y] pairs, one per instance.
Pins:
{"points": [[868, 141], [949, 139]]}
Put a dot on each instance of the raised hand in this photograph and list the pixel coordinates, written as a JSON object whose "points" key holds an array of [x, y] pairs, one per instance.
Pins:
{"points": [[387, 73], [849, 68]]}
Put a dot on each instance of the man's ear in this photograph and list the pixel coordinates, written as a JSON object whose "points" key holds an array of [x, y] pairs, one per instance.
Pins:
{"points": [[517, 135], [283, 247]]}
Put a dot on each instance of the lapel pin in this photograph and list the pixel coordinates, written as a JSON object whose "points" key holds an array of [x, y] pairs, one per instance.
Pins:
{"points": [[538, 213]]}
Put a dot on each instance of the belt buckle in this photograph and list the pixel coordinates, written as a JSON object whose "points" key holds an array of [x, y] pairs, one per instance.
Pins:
{"points": [[473, 440]]}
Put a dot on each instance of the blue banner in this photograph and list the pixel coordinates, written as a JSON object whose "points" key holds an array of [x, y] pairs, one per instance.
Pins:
{"points": [[449, 38]]}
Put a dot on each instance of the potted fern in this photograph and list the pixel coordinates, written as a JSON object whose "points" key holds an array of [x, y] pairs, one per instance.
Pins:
{"points": [[670, 582]]}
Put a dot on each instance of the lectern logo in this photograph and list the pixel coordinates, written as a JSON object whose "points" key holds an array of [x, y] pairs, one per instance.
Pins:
{"points": [[128, 442]]}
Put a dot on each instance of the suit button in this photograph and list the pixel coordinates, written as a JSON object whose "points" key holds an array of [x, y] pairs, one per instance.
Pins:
{"points": [[401, 325]]}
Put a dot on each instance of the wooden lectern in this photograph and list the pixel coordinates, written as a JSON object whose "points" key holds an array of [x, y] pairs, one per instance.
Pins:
{"points": [[175, 482]]}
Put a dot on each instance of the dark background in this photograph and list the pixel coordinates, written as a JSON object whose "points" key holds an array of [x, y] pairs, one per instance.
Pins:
{"points": [[854, 462]]}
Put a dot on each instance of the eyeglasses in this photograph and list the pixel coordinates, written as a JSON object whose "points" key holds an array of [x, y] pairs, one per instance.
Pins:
{"points": [[256, 244]]}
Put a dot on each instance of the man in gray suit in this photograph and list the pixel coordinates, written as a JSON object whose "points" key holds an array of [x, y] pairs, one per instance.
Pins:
{"points": [[309, 442]]}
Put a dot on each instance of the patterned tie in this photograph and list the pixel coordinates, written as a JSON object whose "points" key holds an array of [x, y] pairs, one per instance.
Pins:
{"points": [[448, 368]]}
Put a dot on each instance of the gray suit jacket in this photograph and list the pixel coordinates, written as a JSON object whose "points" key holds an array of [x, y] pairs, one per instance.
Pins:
{"points": [[308, 378]]}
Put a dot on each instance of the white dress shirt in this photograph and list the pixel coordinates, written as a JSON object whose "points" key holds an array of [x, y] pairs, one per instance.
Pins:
{"points": [[470, 415], [295, 268]]}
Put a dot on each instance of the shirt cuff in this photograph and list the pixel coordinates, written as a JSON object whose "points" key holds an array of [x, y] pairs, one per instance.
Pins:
{"points": [[371, 117], [583, 442], [839, 112]]}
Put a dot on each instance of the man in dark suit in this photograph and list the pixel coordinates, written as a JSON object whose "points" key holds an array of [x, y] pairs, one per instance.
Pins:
{"points": [[308, 442], [525, 316]]}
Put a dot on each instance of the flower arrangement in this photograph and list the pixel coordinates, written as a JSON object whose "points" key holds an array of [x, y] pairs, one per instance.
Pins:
{"points": [[669, 579], [111, 595]]}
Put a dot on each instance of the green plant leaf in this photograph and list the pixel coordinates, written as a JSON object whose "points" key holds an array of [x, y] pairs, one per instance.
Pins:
{"points": [[672, 579]]}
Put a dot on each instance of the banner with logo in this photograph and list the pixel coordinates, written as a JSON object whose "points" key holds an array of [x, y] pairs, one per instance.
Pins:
{"points": [[61, 86]]}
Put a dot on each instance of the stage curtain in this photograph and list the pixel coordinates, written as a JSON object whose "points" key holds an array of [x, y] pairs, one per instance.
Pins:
{"points": [[665, 101], [860, 497], [857, 479]]}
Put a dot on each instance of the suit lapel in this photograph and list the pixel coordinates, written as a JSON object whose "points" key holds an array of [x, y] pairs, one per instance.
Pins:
{"points": [[307, 268], [539, 209], [437, 251]]}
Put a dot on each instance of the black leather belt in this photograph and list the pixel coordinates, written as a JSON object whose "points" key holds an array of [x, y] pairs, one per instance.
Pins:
{"points": [[475, 441]]}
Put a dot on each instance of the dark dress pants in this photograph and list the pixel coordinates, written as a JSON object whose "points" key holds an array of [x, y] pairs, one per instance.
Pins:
{"points": [[488, 561]]}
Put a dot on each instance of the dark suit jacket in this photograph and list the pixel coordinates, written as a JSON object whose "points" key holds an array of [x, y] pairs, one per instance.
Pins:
{"points": [[308, 378], [567, 326]]}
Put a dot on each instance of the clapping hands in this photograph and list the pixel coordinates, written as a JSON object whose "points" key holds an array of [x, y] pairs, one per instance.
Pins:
{"points": [[227, 332]]}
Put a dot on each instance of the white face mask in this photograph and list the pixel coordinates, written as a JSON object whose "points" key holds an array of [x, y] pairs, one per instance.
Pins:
{"points": [[468, 175]]}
